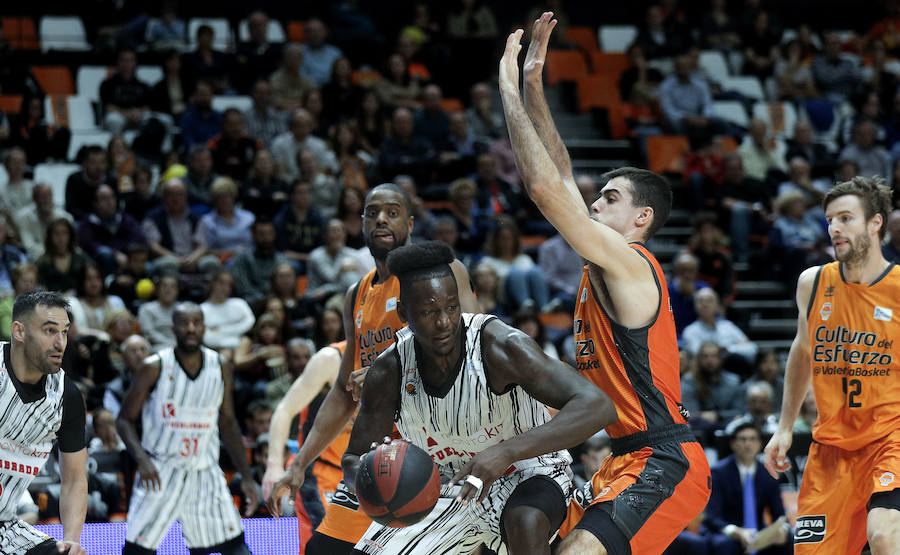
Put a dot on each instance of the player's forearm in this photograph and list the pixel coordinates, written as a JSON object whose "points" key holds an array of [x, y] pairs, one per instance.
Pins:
{"points": [[128, 433], [73, 507], [797, 377], [279, 428], [537, 109], [350, 464], [336, 410], [230, 433]]}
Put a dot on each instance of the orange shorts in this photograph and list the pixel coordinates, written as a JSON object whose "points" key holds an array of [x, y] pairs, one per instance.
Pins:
{"points": [[344, 520], [835, 491], [649, 495], [327, 479]]}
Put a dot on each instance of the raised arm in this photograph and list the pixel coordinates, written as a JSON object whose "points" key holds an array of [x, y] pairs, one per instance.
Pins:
{"points": [[797, 378], [132, 404], [511, 358], [230, 433], [467, 300]]}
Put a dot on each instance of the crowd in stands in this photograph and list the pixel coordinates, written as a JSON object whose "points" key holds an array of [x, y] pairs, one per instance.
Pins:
{"points": [[255, 212]]}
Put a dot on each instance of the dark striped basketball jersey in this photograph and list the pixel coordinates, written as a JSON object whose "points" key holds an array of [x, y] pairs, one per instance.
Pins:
{"points": [[636, 367], [180, 418]]}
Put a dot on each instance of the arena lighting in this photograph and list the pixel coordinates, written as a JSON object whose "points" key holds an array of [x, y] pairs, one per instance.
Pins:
{"points": [[264, 536]]}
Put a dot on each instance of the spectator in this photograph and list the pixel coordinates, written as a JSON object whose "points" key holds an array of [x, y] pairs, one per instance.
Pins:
{"points": [[226, 317], [124, 282], [332, 267], [815, 153], [593, 452], [200, 176], [263, 192], [710, 326], [742, 494], [298, 352], [639, 83], [372, 122], [287, 146], [125, 99], [404, 152], [762, 155], [719, 28], [880, 76], [423, 219], [298, 225], [471, 228], [16, 193], [793, 75], [683, 288], [134, 350], [798, 239], [226, 229], [801, 181], [30, 131], [473, 21], [233, 150], [259, 415], [264, 122], [760, 46], [430, 121], [716, 267], [10, 256], [24, 278], [142, 198], [208, 65], [318, 55], [760, 400], [200, 122], [486, 284], [399, 89], [871, 158], [252, 268], [355, 163], [522, 282], [171, 229], [121, 163], [81, 187], [562, 268], [341, 95], [745, 203], [329, 328], [298, 311], [257, 58], [313, 103], [92, 305], [32, 220], [170, 94], [891, 247], [712, 394], [835, 77], [349, 211], [325, 187], [484, 122], [107, 232], [528, 322], [288, 84], [656, 40], [62, 262], [768, 370], [496, 195], [167, 32], [155, 317], [458, 149], [687, 104], [867, 108], [256, 354]]}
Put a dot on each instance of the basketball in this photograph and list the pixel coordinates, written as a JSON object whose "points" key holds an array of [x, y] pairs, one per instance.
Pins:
{"points": [[397, 484]]}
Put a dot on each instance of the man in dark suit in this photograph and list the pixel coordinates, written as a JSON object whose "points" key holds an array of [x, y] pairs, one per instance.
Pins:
{"points": [[737, 521]]}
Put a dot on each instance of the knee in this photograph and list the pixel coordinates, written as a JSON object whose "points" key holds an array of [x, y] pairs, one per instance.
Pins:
{"points": [[526, 524], [882, 540], [579, 542]]}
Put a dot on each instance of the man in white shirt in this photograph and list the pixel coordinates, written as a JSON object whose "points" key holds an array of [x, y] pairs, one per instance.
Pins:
{"points": [[286, 146], [33, 219]]}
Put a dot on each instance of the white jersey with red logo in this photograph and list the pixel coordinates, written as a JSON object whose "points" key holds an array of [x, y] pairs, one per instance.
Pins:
{"points": [[180, 418]]}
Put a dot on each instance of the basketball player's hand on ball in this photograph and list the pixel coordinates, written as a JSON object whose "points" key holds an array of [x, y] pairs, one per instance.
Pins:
{"points": [[487, 466], [70, 548], [509, 64], [356, 381], [537, 48], [289, 483], [776, 452], [149, 474], [251, 494]]}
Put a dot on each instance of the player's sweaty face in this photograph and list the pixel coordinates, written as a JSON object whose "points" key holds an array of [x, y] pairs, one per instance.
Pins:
{"points": [[47, 336], [188, 330], [434, 314], [847, 227], [614, 207], [386, 222]]}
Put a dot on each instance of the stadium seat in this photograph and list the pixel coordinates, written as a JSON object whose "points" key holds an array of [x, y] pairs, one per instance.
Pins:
{"points": [[780, 117], [665, 153], [296, 31], [731, 110], [222, 103], [20, 33], [222, 39], [714, 64], [275, 34], [608, 63], [747, 85], [564, 65], [89, 79], [63, 33], [452, 105], [599, 91], [584, 38], [54, 79], [56, 176], [10, 103], [72, 111], [617, 38], [86, 138], [150, 75]]}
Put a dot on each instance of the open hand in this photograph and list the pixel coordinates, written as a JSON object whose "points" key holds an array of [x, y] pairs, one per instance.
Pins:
{"points": [[537, 48], [289, 483], [509, 63]]}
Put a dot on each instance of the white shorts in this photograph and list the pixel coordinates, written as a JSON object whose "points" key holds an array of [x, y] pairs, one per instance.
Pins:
{"points": [[455, 528], [199, 499], [17, 536]]}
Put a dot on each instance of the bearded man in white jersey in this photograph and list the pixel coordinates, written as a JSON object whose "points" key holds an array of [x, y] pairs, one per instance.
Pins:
{"points": [[473, 393], [40, 405], [184, 397]]}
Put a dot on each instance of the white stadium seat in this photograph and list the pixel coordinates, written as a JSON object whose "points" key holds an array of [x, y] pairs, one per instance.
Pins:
{"points": [[616, 38], [63, 33]]}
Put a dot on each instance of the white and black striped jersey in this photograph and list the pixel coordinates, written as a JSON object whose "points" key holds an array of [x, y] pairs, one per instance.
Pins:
{"points": [[470, 417], [31, 418], [180, 418]]}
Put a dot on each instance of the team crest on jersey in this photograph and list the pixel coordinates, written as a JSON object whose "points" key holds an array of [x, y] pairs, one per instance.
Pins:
{"points": [[886, 479], [169, 410], [883, 314], [583, 295], [359, 316], [825, 311], [411, 389], [810, 529], [390, 304]]}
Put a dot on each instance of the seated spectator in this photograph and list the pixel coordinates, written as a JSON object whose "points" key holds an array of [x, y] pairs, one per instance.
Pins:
{"points": [[30, 131], [793, 74], [484, 122], [298, 225], [496, 195], [168, 31], [867, 107], [656, 40], [298, 351], [259, 352], [263, 192], [430, 121], [522, 282], [81, 186], [92, 305], [341, 95], [815, 153], [399, 89], [200, 122], [62, 261], [226, 229], [742, 494], [134, 350], [354, 162], [256, 423], [710, 326], [712, 394], [801, 181], [331, 268], [836, 78], [252, 267], [458, 149], [121, 163], [107, 232], [593, 452], [527, 321], [287, 146], [760, 46], [760, 400], [474, 20], [880, 74], [232, 149], [798, 238], [10, 256], [562, 268], [170, 94], [687, 103], [16, 193], [288, 84], [471, 227], [264, 121], [32, 220], [423, 219], [207, 64], [349, 209], [372, 120], [226, 317], [768, 370], [24, 280], [639, 84], [719, 29], [125, 282], [871, 158], [329, 328], [171, 229], [891, 247], [313, 103], [325, 187], [142, 198], [716, 267], [745, 203], [199, 178], [299, 312], [683, 288], [318, 55], [155, 317], [761, 154], [125, 99], [486, 284], [257, 58], [404, 152]]}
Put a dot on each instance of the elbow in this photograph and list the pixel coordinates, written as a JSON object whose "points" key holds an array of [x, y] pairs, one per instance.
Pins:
{"points": [[605, 412]]}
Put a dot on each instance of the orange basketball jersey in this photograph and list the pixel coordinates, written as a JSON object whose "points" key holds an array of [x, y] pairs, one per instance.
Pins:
{"points": [[637, 368], [852, 328], [375, 317]]}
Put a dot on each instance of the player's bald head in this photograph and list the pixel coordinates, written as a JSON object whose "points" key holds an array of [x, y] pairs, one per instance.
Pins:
{"points": [[186, 308]]}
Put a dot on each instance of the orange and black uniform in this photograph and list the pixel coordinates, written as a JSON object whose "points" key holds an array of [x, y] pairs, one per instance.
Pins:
{"points": [[658, 478], [376, 323], [854, 460]]}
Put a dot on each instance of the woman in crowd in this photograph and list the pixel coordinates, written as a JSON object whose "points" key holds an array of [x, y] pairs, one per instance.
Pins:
{"points": [[522, 281], [226, 318], [264, 191], [62, 262], [486, 284], [353, 159], [225, 230], [349, 211], [92, 304], [329, 328]]}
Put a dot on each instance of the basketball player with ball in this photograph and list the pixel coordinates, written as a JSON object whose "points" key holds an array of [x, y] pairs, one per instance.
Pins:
{"points": [[473, 393], [657, 478]]}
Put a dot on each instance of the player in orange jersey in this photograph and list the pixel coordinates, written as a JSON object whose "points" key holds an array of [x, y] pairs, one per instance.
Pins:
{"points": [[657, 478], [844, 346]]}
